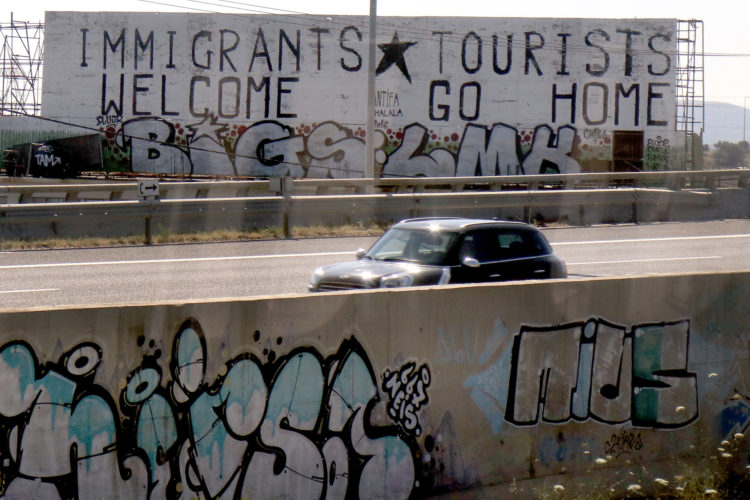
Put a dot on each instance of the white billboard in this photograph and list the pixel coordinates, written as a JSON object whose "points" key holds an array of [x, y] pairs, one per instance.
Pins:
{"points": [[263, 95]]}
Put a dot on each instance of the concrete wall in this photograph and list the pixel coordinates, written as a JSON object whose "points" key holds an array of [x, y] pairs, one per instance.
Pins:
{"points": [[378, 395], [266, 95]]}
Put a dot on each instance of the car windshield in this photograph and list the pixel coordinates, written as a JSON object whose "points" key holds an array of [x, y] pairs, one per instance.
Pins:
{"points": [[413, 245]]}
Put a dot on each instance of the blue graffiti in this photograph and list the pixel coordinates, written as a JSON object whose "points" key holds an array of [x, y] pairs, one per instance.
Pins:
{"points": [[295, 426]]}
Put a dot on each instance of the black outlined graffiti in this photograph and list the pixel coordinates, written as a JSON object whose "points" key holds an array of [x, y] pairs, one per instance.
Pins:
{"points": [[151, 417], [296, 425], [330, 150], [623, 443], [409, 159], [154, 147], [60, 429], [657, 152], [603, 371], [591, 370], [406, 388]]}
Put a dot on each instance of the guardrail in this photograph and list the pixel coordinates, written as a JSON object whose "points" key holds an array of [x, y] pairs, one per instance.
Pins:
{"points": [[127, 217], [15, 192], [110, 209]]}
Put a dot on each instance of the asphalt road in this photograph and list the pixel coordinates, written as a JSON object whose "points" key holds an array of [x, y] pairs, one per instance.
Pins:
{"points": [[230, 270]]}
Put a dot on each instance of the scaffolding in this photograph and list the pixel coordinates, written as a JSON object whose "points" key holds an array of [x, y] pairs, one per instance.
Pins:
{"points": [[21, 67], [690, 108]]}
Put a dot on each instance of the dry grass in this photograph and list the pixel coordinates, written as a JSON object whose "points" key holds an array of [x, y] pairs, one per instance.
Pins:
{"points": [[167, 238], [724, 475]]}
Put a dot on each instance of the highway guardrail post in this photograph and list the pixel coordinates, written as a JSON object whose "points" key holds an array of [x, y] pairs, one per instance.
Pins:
{"points": [[148, 240], [148, 195], [283, 186]]}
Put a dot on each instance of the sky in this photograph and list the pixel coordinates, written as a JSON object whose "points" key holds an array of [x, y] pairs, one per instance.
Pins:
{"points": [[726, 35]]}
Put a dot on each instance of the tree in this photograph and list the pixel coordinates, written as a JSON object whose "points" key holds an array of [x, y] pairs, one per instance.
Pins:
{"points": [[730, 154]]}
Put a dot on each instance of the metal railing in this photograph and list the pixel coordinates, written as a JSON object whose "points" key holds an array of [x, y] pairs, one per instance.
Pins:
{"points": [[127, 217], [102, 210], [13, 191]]}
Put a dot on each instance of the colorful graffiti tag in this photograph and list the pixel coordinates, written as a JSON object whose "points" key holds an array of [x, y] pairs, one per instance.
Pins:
{"points": [[590, 370], [296, 427], [301, 424], [264, 95], [330, 150]]}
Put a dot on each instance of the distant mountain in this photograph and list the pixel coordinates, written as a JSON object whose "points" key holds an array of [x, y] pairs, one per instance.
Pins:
{"points": [[724, 123]]}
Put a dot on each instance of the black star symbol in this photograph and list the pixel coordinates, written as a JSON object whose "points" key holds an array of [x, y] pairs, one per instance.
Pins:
{"points": [[393, 53]]}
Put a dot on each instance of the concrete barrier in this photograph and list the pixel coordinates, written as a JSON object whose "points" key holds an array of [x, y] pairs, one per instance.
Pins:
{"points": [[477, 391]]}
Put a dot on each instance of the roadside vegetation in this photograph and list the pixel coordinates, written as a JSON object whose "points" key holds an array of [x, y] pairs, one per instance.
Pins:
{"points": [[725, 154], [163, 237], [723, 475]]}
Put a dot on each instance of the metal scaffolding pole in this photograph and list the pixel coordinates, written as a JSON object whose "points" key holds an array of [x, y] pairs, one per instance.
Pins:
{"points": [[690, 108], [21, 51]]}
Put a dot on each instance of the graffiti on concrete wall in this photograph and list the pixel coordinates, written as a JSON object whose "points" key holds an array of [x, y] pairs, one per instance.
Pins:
{"points": [[589, 370], [331, 150], [625, 442], [294, 426], [595, 145], [660, 152], [235, 95], [407, 393]]}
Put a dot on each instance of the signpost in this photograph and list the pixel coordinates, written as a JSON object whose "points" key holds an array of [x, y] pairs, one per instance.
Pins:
{"points": [[148, 189], [148, 193]]}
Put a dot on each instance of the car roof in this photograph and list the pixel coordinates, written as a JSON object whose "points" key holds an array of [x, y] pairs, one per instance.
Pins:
{"points": [[457, 223]]}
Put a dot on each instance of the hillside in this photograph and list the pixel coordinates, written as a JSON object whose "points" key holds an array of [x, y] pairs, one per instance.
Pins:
{"points": [[724, 123]]}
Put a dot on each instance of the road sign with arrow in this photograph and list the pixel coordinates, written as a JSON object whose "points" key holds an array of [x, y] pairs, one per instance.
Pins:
{"points": [[148, 189]]}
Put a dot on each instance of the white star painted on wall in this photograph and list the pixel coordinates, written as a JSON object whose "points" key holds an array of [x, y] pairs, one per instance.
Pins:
{"points": [[208, 127]]}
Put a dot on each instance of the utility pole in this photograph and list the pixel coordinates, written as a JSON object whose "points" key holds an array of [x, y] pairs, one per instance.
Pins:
{"points": [[744, 114], [370, 115]]}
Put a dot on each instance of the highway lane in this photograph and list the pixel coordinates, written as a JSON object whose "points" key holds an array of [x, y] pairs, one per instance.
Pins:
{"points": [[247, 269]]}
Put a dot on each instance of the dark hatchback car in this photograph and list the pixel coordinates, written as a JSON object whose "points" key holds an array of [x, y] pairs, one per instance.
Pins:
{"points": [[436, 251]]}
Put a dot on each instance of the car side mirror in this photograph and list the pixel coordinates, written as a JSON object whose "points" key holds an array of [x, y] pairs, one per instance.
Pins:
{"points": [[470, 262], [361, 253]]}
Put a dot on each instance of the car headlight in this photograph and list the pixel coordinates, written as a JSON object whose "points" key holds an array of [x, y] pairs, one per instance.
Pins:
{"points": [[315, 278], [396, 280]]}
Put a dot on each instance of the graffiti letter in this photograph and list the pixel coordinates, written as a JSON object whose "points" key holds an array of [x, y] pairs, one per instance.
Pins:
{"points": [[409, 161], [611, 384], [151, 147], [665, 393], [550, 153], [269, 149], [484, 152], [544, 375]]}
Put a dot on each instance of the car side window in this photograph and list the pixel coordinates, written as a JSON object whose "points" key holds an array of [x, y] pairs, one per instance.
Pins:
{"points": [[486, 245], [517, 244], [493, 245]]}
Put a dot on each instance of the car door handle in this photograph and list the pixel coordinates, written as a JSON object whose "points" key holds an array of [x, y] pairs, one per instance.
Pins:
{"points": [[497, 275]]}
